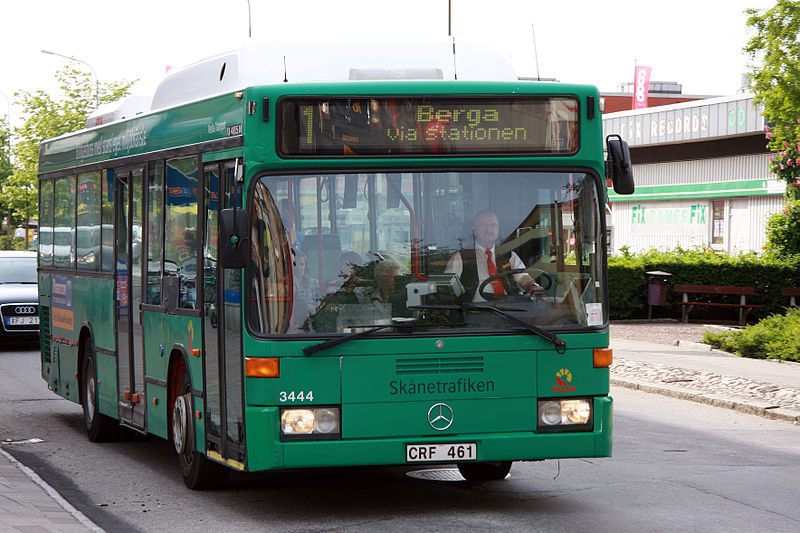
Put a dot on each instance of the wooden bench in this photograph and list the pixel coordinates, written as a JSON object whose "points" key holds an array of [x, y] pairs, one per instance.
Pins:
{"points": [[742, 292], [792, 293]]}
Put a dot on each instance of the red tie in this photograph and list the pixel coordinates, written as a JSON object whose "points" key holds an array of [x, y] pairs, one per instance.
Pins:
{"points": [[496, 284]]}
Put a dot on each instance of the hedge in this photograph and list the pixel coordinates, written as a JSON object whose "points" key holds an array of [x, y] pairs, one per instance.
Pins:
{"points": [[627, 281]]}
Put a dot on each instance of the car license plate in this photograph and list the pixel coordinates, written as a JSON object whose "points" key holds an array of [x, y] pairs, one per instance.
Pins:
{"points": [[458, 451], [22, 320]]}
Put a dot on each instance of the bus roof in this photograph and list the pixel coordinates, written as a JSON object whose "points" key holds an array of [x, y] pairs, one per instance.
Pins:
{"points": [[267, 62], [260, 62]]}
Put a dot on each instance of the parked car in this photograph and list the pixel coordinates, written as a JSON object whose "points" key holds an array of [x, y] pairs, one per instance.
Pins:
{"points": [[19, 305]]}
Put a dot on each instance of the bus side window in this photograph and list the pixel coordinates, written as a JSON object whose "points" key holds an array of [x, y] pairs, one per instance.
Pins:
{"points": [[180, 247], [155, 238]]}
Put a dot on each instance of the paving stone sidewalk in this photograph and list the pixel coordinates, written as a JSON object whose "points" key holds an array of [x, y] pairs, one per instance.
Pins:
{"points": [[665, 357]]}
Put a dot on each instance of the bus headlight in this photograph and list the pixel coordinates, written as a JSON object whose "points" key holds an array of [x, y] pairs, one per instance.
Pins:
{"points": [[565, 414], [326, 420], [297, 421], [310, 422], [576, 411], [550, 413]]}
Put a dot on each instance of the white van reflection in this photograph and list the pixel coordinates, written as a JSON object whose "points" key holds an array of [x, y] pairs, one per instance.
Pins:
{"points": [[63, 239]]}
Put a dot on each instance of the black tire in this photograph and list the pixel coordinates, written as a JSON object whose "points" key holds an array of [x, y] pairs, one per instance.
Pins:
{"points": [[99, 427], [484, 471], [199, 472]]}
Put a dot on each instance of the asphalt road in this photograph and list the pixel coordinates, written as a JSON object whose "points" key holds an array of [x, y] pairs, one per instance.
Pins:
{"points": [[677, 466]]}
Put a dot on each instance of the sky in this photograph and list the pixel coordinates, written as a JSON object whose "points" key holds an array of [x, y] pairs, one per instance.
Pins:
{"points": [[695, 43]]}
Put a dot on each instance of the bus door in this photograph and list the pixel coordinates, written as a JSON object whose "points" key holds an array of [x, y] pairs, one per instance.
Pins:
{"points": [[128, 275], [222, 319]]}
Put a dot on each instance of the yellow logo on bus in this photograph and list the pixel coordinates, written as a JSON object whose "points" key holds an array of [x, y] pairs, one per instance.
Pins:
{"points": [[564, 378]]}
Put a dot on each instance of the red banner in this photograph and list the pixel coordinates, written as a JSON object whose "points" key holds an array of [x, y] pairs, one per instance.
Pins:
{"points": [[641, 86]]}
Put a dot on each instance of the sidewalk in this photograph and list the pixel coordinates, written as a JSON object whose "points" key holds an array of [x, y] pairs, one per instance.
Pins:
{"points": [[29, 505], [665, 358]]}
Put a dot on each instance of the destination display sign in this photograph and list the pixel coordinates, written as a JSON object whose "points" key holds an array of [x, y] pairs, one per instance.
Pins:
{"points": [[422, 126]]}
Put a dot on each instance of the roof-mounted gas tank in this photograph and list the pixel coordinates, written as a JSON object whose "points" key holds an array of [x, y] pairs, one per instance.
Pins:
{"points": [[260, 63]]}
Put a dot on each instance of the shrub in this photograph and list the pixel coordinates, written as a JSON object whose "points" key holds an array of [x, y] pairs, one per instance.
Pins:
{"points": [[8, 242], [775, 337]]}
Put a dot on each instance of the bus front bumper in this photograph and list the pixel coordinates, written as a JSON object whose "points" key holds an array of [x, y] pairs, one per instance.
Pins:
{"points": [[265, 451]]}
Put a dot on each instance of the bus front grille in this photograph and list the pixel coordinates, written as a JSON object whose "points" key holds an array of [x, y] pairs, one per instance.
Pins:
{"points": [[440, 365]]}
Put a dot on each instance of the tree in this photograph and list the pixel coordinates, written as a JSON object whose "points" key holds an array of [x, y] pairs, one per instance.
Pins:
{"points": [[46, 117], [783, 230], [774, 50], [5, 150]]}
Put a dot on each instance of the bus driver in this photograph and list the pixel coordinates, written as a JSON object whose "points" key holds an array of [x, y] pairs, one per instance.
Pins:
{"points": [[473, 266]]}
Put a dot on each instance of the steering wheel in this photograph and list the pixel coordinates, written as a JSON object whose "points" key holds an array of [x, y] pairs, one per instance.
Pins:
{"points": [[539, 274]]}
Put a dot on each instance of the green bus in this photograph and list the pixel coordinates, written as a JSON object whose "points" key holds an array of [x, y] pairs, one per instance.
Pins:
{"points": [[287, 274]]}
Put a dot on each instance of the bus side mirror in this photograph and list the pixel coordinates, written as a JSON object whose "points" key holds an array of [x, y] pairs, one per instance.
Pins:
{"points": [[618, 165], [233, 238]]}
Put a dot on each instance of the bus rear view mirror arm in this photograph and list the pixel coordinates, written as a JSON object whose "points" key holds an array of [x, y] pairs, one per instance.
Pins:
{"points": [[618, 164], [233, 238]]}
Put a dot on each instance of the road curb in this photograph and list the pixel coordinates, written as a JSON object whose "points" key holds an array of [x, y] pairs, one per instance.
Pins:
{"points": [[752, 407], [52, 494]]}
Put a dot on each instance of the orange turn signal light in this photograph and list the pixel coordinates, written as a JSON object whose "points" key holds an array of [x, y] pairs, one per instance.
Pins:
{"points": [[262, 367], [603, 357]]}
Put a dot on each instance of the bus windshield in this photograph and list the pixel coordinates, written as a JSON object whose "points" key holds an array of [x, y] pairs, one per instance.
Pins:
{"points": [[340, 253]]}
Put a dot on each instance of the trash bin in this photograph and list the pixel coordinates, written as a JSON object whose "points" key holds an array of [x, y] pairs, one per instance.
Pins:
{"points": [[656, 290]]}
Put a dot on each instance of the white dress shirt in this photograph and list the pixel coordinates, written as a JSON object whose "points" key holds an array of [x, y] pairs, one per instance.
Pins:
{"points": [[456, 266]]}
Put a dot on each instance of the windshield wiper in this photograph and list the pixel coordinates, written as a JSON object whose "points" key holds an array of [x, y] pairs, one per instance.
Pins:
{"points": [[403, 323], [559, 343]]}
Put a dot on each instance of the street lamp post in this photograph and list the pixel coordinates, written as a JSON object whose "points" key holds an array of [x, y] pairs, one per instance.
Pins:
{"points": [[96, 79]]}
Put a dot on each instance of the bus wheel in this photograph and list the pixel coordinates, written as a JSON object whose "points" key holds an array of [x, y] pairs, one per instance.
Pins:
{"points": [[484, 471], [99, 427], [199, 472]]}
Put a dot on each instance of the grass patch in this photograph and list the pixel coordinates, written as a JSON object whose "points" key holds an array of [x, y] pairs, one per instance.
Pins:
{"points": [[775, 337]]}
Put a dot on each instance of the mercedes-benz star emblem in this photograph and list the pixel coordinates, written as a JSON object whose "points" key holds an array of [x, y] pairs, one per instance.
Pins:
{"points": [[440, 416]]}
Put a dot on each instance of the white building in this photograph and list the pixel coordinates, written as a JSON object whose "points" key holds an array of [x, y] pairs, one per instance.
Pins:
{"points": [[701, 174]]}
